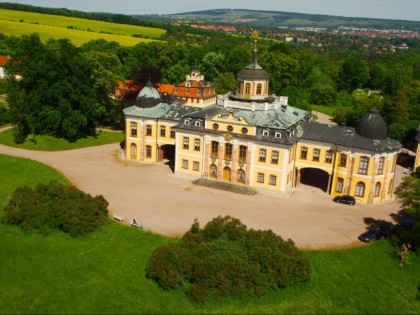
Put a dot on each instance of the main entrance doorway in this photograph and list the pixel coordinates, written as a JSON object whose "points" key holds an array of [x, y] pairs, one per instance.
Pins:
{"points": [[226, 173]]}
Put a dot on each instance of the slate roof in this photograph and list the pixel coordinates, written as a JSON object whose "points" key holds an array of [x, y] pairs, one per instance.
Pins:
{"points": [[161, 111], [372, 126], [281, 118], [347, 137], [254, 70]]}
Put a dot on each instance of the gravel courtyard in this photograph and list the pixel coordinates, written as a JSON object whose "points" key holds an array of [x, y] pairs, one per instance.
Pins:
{"points": [[168, 205]]}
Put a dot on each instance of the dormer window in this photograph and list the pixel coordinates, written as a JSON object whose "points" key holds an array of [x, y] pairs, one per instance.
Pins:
{"points": [[265, 133], [198, 91], [277, 135], [176, 89], [197, 124], [187, 90], [186, 121]]}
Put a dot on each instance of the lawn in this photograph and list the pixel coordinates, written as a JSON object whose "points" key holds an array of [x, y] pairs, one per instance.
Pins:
{"points": [[105, 272], [327, 110], [48, 143]]}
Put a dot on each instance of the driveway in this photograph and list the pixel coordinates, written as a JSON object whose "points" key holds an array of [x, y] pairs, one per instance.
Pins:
{"points": [[168, 205]]}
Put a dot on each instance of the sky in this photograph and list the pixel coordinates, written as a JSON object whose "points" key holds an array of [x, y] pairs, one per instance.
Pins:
{"points": [[382, 9]]}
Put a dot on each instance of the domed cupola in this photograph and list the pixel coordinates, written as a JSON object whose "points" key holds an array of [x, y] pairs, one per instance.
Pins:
{"points": [[148, 96], [253, 80], [373, 126]]}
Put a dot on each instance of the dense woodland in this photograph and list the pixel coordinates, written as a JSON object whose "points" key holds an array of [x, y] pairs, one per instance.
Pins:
{"points": [[70, 86]]}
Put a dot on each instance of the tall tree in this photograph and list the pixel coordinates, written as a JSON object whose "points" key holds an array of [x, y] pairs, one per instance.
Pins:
{"points": [[354, 74], [56, 94]]}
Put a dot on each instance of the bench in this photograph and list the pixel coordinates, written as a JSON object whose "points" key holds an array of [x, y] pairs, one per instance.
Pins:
{"points": [[118, 217], [137, 225]]}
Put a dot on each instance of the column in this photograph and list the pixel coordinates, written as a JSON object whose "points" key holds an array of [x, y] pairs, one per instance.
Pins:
{"points": [[207, 149], [372, 182], [220, 160], [349, 174], [234, 161]]}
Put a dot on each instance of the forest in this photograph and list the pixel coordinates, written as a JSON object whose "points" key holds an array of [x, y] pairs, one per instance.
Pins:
{"points": [[349, 82]]}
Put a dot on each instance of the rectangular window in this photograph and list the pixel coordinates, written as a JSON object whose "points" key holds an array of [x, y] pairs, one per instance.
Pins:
{"points": [[148, 151], [228, 151], [328, 156], [134, 129], [172, 134], [186, 143], [381, 166], [273, 180], [263, 155], [343, 159], [196, 166], [162, 131], [316, 155], [339, 185], [304, 153], [196, 144], [185, 164], [148, 130], [214, 148], [275, 157], [260, 178], [242, 153], [364, 164]]}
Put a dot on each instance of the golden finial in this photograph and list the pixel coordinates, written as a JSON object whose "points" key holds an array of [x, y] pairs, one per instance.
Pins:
{"points": [[254, 35]]}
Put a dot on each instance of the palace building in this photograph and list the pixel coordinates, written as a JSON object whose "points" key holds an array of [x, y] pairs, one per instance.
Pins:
{"points": [[249, 137]]}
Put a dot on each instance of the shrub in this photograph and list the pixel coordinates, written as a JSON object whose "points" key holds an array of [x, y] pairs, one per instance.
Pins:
{"points": [[56, 206], [224, 258]]}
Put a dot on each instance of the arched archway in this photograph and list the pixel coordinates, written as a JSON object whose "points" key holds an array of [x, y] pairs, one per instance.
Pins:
{"points": [[315, 177], [240, 176], [167, 152]]}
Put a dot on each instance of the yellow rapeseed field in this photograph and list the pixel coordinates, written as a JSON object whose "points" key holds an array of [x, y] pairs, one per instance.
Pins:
{"points": [[18, 23]]}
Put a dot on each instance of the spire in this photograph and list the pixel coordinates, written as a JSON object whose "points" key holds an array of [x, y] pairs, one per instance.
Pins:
{"points": [[254, 35]]}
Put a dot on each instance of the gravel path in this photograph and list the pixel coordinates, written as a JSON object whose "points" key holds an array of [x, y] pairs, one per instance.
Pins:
{"points": [[168, 205]]}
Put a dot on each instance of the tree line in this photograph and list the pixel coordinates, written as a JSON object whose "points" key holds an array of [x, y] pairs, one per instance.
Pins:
{"points": [[72, 84]]}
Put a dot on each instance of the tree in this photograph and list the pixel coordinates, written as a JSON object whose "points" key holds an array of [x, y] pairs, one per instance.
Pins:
{"points": [[354, 74], [297, 97], [57, 94], [213, 65], [225, 82], [409, 196], [225, 258]]}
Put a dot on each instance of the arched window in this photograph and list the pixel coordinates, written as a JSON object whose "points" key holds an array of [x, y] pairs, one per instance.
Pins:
{"points": [[377, 189], [240, 176], [213, 171], [247, 88], [360, 189], [390, 187], [133, 151], [381, 165], [339, 185], [259, 88]]}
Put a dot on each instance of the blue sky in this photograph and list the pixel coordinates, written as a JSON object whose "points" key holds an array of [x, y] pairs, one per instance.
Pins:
{"points": [[386, 9]]}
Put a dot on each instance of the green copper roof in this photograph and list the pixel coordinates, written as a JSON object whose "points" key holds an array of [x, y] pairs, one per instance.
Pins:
{"points": [[161, 111]]}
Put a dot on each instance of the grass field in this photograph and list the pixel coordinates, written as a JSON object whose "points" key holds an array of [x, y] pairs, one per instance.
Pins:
{"points": [[327, 110], [105, 272], [55, 27], [48, 143]]}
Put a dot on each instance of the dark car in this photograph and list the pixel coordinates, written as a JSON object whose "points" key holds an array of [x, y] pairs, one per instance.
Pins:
{"points": [[371, 236], [349, 200]]}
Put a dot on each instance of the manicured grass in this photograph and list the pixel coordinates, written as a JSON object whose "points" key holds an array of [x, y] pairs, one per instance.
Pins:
{"points": [[17, 172], [77, 37], [327, 110], [105, 273], [48, 143]]}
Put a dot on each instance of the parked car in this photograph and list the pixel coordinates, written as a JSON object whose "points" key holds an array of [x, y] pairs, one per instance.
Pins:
{"points": [[349, 200], [371, 236]]}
